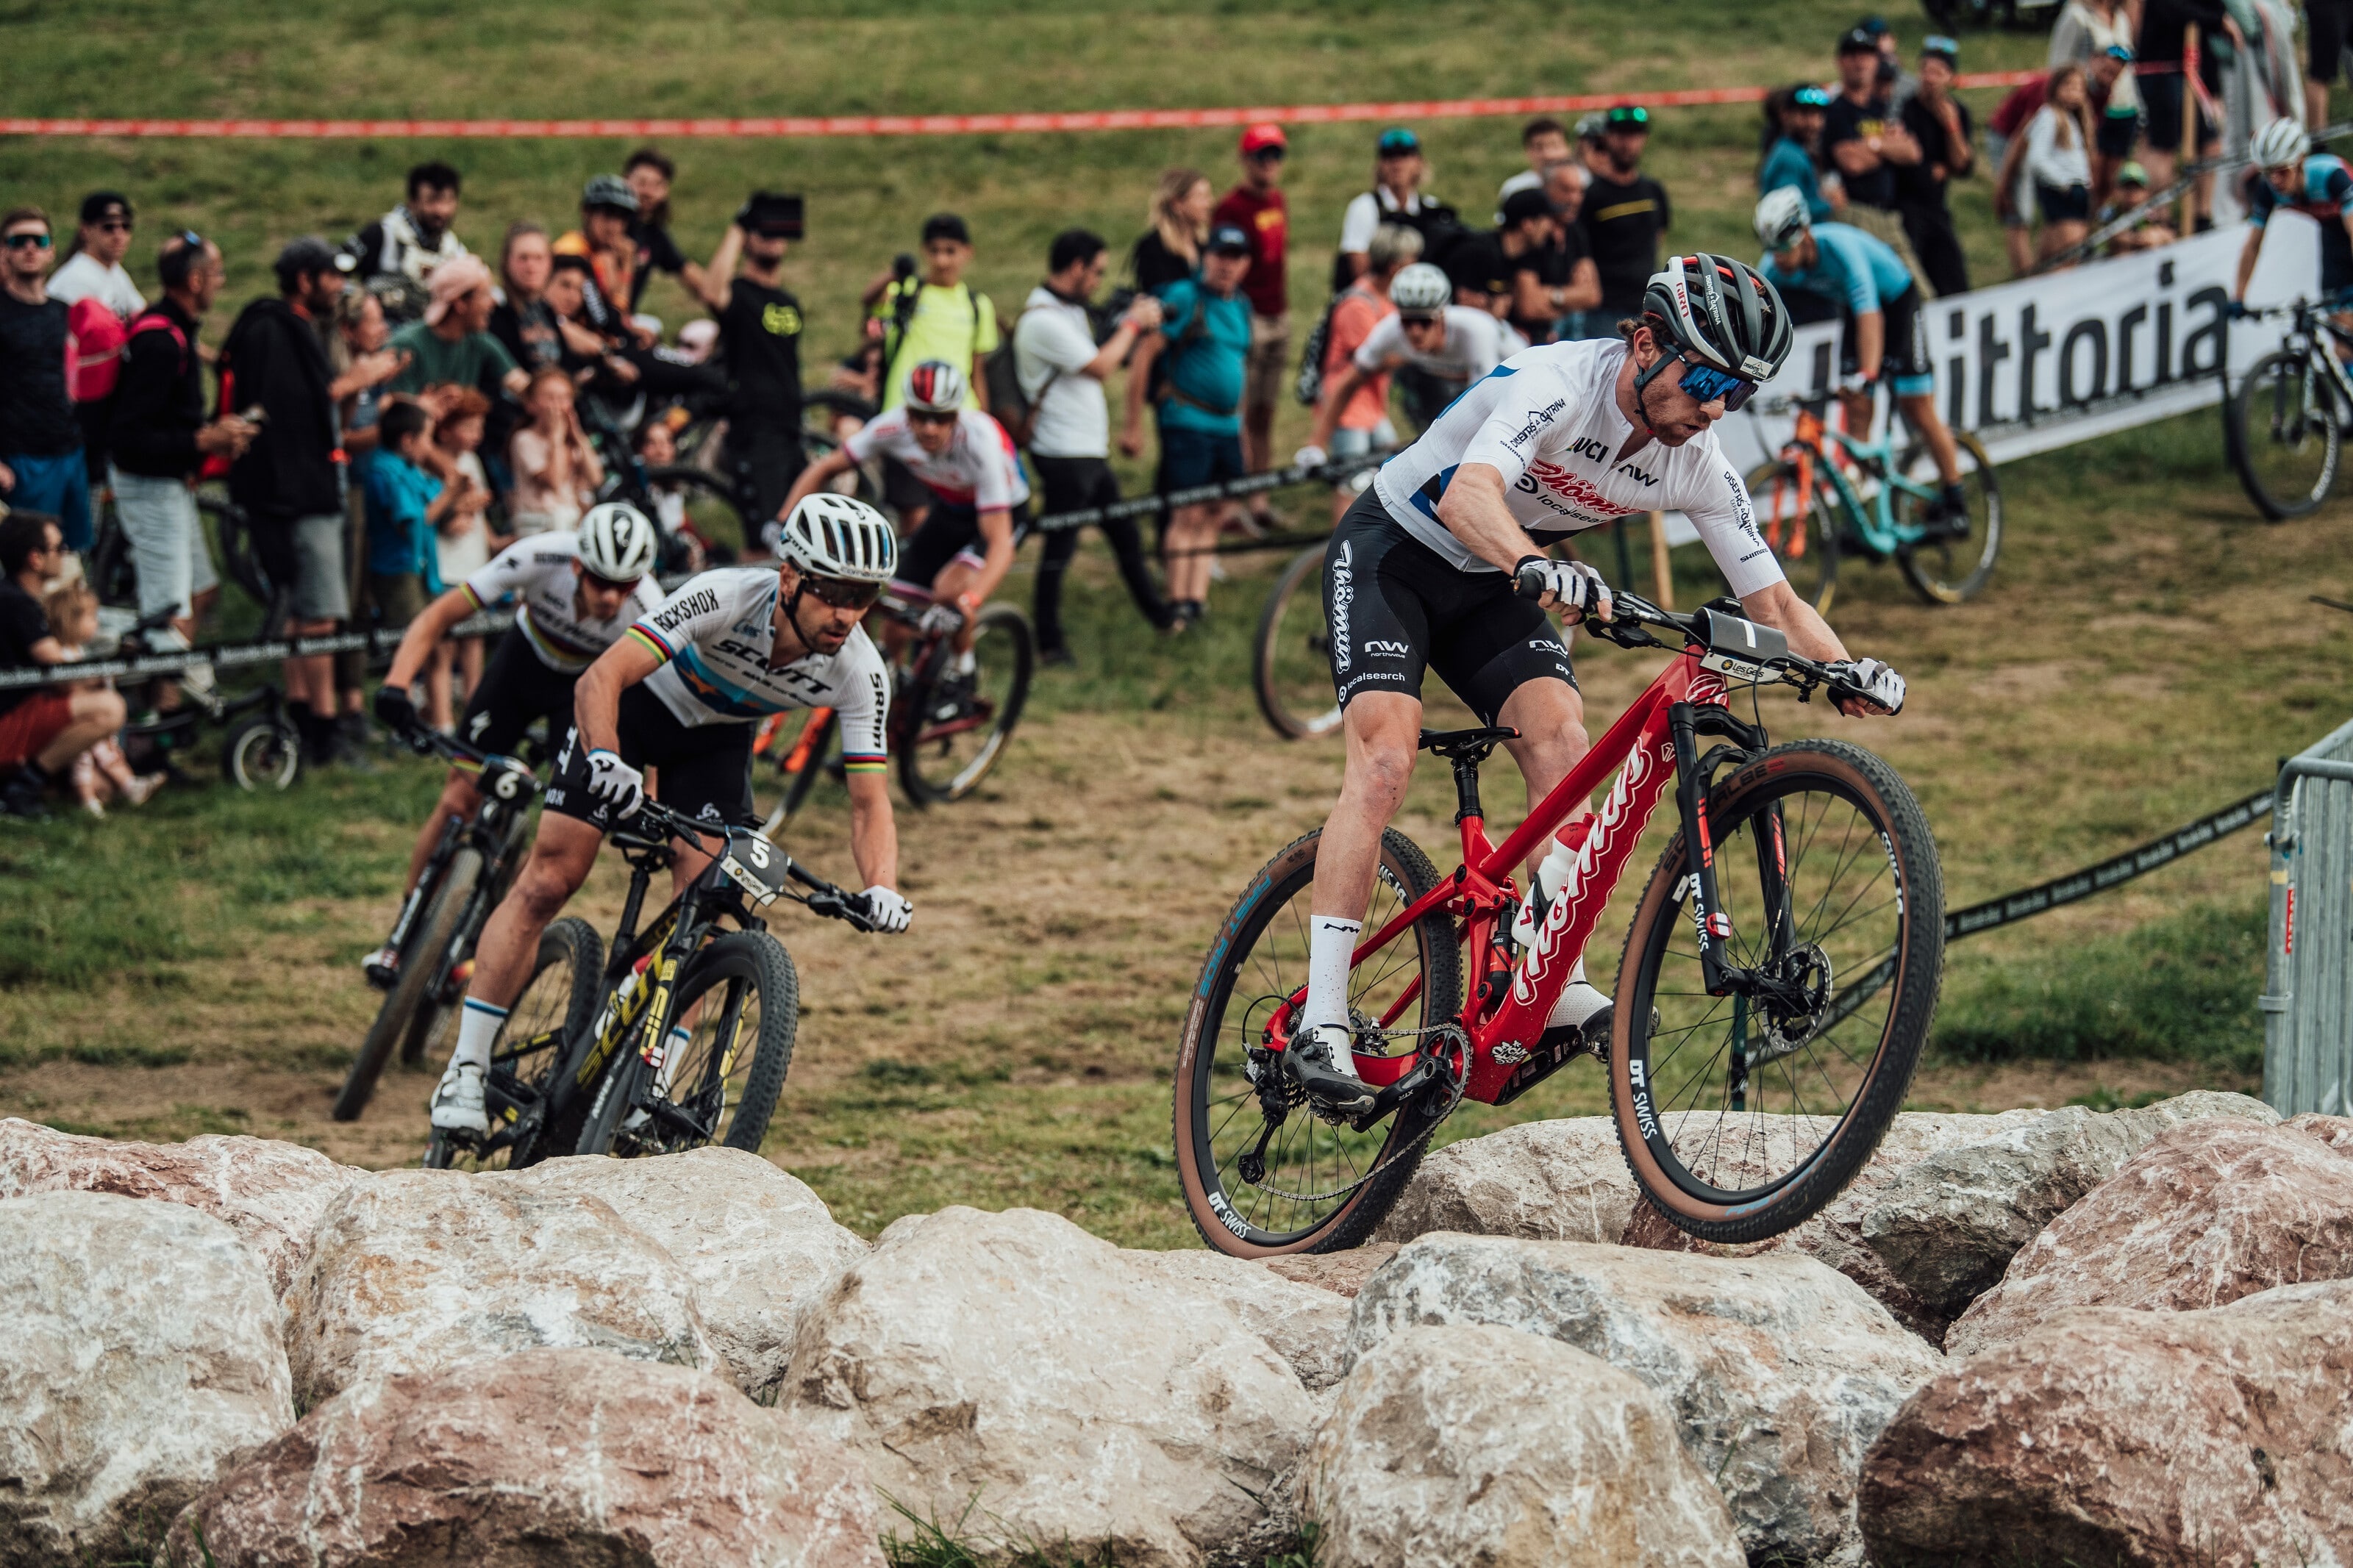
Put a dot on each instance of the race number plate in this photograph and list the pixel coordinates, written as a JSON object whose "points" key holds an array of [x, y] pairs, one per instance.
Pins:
{"points": [[756, 865]]}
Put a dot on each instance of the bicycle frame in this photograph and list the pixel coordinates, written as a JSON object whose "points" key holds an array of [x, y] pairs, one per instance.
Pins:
{"points": [[1810, 448]]}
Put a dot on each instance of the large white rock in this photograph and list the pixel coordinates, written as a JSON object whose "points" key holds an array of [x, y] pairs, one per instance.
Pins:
{"points": [[1305, 1324], [1780, 1370], [761, 1247], [1013, 1371], [143, 1359], [270, 1193], [1489, 1447], [418, 1270], [1545, 1181]]}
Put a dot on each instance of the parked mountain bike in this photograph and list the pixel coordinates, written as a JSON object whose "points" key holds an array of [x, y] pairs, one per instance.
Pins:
{"points": [[263, 748], [2284, 426], [590, 1059], [1777, 984], [798, 757], [467, 873], [1829, 494], [1290, 657]]}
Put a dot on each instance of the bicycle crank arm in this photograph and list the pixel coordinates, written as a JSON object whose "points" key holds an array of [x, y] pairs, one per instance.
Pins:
{"points": [[1416, 1079]]}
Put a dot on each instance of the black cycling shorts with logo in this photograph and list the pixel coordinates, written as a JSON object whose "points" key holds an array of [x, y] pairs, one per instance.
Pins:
{"points": [[516, 687], [1395, 607], [706, 769], [951, 532]]}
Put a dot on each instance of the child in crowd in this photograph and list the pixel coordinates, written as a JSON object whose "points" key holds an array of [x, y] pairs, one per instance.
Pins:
{"points": [[555, 471], [102, 772], [406, 506], [462, 544]]}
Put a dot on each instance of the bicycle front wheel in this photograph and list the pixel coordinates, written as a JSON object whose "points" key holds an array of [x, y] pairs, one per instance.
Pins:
{"points": [[1742, 1115], [1801, 528], [422, 970], [959, 727], [557, 1006], [1956, 558], [1261, 1174], [1291, 660], [719, 1084], [2284, 435]]}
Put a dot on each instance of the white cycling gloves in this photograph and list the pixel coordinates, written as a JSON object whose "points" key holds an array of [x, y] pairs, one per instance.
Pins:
{"points": [[940, 621], [1574, 586], [1873, 681], [1310, 457], [616, 782], [887, 909]]}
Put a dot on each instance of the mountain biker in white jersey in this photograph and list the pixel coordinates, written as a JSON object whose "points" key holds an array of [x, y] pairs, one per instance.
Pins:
{"points": [[1420, 572], [681, 692], [1453, 345], [577, 594]]}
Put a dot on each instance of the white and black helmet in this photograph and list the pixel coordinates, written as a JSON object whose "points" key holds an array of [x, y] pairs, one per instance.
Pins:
{"points": [[1717, 312], [617, 541], [2281, 144], [1420, 287], [831, 535], [1781, 217]]}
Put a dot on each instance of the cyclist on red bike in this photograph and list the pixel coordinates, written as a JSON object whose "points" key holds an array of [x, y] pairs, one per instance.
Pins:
{"points": [[575, 596], [681, 692], [1420, 574]]}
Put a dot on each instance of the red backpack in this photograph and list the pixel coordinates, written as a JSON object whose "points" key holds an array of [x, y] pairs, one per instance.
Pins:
{"points": [[94, 340]]}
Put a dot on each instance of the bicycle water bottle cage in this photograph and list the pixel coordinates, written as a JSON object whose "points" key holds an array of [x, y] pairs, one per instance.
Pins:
{"points": [[1737, 648]]}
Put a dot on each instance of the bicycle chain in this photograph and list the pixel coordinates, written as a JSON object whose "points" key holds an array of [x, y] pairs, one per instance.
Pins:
{"points": [[1460, 1079]]}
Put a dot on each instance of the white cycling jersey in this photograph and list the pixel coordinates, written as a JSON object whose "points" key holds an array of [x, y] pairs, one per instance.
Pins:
{"points": [[1547, 420], [714, 637], [1473, 346], [538, 572], [980, 469]]}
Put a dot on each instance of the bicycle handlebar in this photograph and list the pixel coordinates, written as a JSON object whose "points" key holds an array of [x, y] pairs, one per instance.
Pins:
{"points": [[822, 898], [425, 741]]}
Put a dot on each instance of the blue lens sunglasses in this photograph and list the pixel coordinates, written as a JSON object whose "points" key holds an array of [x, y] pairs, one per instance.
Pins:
{"points": [[1706, 384]]}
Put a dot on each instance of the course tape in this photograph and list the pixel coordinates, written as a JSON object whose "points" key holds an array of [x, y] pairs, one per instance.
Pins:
{"points": [[914, 124], [1332, 473], [236, 656], [2031, 901]]}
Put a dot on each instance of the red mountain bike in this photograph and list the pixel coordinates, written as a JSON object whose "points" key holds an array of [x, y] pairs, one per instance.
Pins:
{"points": [[1777, 984]]}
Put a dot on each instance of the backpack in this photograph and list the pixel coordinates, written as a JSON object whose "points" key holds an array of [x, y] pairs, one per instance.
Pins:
{"points": [[1000, 372], [94, 340], [903, 296], [1309, 388]]}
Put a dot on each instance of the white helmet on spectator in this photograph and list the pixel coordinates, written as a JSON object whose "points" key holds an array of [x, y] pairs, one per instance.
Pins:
{"points": [[831, 535], [935, 387], [1781, 217], [1420, 287], [2281, 144], [617, 542]]}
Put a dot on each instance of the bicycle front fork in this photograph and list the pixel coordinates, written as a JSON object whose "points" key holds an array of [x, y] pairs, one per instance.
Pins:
{"points": [[1710, 923]]}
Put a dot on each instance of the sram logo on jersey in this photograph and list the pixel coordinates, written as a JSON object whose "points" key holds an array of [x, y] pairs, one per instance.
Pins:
{"points": [[1555, 486], [678, 611]]}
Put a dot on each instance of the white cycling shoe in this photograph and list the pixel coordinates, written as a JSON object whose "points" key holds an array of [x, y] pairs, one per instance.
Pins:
{"points": [[457, 1102]]}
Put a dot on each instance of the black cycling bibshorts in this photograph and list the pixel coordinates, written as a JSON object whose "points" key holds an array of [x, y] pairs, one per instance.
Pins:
{"points": [[1395, 607], [1906, 361], [516, 687], [706, 769], [951, 530]]}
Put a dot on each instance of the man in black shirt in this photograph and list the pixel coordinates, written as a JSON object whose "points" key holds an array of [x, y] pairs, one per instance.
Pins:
{"points": [[650, 173], [42, 728], [760, 333], [1859, 134], [1625, 213], [1939, 123], [41, 464]]}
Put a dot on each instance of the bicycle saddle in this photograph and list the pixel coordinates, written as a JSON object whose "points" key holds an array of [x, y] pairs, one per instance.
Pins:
{"points": [[1473, 743]]}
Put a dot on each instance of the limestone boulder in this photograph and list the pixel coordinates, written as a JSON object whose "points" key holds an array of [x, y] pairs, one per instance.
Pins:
{"points": [[1011, 1371], [548, 1457], [270, 1193], [1545, 1181], [1780, 1372], [2334, 1132], [759, 1245], [1488, 1446], [144, 1356], [418, 1270], [1306, 1325], [2209, 1212], [2107, 1435], [1345, 1272]]}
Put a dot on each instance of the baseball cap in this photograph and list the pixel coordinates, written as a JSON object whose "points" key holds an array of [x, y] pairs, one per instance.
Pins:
{"points": [[1398, 140], [1259, 138], [100, 205], [1875, 25], [1622, 115], [1857, 41], [452, 281], [2131, 175], [1523, 204], [1936, 47], [2120, 52], [1810, 97], [309, 257], [1588, 126], [1230, 241]]}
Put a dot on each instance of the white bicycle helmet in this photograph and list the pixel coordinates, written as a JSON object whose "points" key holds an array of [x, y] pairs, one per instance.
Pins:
{"points": [[831, 535], [618, 543], [1718, 311], [935, 387], [2281, 144], [1420, 287], [1781, 217]]}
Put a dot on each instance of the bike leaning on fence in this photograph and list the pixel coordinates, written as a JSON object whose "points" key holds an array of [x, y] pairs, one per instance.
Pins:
{"points": [[678, 1037], [2284, 426], [1776, 987]]}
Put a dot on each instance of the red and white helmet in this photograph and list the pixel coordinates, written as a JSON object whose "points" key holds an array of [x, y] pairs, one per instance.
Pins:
{"points": [[935, 387], [1718, 311]]}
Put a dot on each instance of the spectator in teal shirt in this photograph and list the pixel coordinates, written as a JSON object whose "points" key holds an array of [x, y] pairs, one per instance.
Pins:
{"points": [[1196, 368], [1796, 113], [405, 504]]}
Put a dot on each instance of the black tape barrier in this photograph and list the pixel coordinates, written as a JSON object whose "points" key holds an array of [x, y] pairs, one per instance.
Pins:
{"points": [[378, 644], [2028, 902], [2159, 200], [1332, 473]]}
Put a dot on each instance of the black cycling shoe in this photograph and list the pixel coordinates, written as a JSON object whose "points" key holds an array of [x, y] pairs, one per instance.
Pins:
{"points": [[1309, 1063], [953, 697]]}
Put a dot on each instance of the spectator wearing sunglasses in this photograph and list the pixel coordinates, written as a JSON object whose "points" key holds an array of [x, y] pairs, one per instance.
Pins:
{"points": [[1256, 206], [1398, 170], [41, 464], [92, 267], [1625, 213]]}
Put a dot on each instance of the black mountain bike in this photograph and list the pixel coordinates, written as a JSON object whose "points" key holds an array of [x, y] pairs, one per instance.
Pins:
{"points": [[590, 1060], [468, 873], [2284, 427]]}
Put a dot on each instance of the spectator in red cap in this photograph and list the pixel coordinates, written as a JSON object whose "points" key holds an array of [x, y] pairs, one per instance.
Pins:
{"points": [[1256, 206]]}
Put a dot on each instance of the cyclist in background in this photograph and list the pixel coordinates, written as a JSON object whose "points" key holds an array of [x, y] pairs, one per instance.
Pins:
{"points": [[577, 594], [2300, 180], [1862, 274], [1454, 345], [681, 692], [1421, 573]]}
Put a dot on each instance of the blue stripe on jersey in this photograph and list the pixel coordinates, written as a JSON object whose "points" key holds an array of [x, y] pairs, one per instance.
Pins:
{"points": [[1422, 496], [721, 695]]}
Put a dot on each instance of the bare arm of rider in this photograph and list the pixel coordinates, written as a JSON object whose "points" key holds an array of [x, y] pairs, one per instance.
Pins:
{"points": [[837, 461], [873, 832], [1472, 511], [1778, 606], [423, 633], [596, 699]]}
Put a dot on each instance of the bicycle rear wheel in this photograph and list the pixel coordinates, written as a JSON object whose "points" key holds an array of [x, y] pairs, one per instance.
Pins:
{"points": [[421, 970], [1290, 659], [719, 1084], [433, 1028], [1802, 530], [1221, 1122], [958, 730], [557, 1006], [2284, 435], [1741, 1116], [1954, 565]]}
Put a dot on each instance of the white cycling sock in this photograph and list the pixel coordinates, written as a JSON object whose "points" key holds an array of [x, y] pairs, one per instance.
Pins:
{"points": [[966, 662], [1330, 944], [477, 1029]]}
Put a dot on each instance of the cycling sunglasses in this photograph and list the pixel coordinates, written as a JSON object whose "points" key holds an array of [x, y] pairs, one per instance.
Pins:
{"points": [[1706, 384], [37, 241], [841, 593], [608, 583]]}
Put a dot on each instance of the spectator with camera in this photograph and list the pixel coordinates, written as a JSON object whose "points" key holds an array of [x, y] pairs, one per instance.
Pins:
{"points": [[760, 335], [396, 256]]}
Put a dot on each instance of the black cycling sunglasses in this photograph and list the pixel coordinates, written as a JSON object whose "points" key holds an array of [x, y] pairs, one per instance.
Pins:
{"points": [[594, 581], [841, 593]]}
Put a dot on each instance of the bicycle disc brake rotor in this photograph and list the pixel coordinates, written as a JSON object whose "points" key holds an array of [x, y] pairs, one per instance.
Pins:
{"points": [[1806, 981]]}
